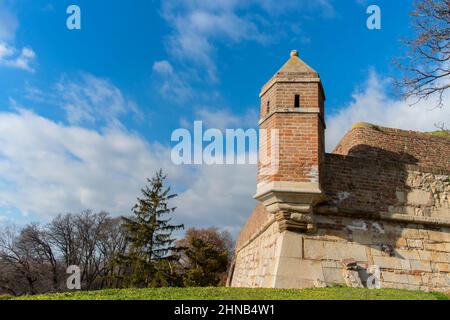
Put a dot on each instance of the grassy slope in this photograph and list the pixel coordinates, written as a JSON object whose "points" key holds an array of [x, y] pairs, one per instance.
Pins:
{"points": [[441, 133], [335, 293]]}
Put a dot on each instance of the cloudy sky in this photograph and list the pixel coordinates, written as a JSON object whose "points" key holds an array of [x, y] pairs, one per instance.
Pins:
{"points": [[86, 115]]}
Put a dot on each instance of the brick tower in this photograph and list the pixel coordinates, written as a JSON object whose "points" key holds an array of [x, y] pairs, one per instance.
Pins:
{"points": [[291, 156]]}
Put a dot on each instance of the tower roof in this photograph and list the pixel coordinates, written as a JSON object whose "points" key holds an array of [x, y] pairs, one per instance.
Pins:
{"points": [[297, 67], [294, 70]]}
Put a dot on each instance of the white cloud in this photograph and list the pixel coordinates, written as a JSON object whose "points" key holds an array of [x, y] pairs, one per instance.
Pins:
{"points": [[199, 26], [47, 168], [8, 24], [373, 104], [171, 84], [219, 196], [10, 56], [13, 58], [89, 99]]}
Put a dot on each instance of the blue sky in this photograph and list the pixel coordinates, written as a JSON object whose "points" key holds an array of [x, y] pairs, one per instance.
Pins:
{"points": [[86, 115]]}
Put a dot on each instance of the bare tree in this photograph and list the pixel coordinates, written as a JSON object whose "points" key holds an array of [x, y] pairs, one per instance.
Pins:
{"points": [[15, 253], [112, 244], [38, 240], [426, 67], [64, 238]]}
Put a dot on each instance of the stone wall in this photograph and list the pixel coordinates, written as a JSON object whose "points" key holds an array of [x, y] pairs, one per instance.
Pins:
{"points": [[410, 256], [386, 204], [370, 186], [392, 215], [256, 260]]}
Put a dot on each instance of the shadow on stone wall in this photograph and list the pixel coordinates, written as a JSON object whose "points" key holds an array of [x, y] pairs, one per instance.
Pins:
{"points": [[367, 180], [378, 154]]}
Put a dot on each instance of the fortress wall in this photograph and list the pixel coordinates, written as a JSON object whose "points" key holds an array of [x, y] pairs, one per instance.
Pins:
{"points": [[392, 215], [370, 186], [256, 262], [410, 256], [258, 220], [377, 211]]}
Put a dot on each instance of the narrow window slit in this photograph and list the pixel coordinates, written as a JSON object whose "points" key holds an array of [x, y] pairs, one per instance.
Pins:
{"points": [[297, 101]]}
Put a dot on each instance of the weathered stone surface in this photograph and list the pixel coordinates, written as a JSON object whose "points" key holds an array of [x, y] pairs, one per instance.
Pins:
{"points": [[414, 243], [292, 245], [395, 277], [419, 197], [415, 280], [408, 254], [306, 271], [333, 275], [352, 279], [442, 267], [417, 265], [387, 262], [436, 246], [320, 250]]}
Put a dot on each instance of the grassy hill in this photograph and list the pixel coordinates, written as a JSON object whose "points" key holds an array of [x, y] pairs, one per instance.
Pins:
{"points": [[335, 293]]}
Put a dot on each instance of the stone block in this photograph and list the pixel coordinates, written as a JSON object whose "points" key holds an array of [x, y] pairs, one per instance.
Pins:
{"points": [[292, 245], [320, 250], [333, 275], [424, 255], [419, 197], [330, 264], [299, 268], [406, 265], [407, 254], [401, 243], [439, 236], [441, 267], [417, 265], [394, 277], [438, 246], [387, 262], [440, 280], [414, 243], [352, 279], [415, 280], [283, 282], [440, 257]]}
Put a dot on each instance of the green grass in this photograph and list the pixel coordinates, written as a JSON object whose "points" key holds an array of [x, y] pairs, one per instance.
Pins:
{"points": [[221, 293], [441, 133]]}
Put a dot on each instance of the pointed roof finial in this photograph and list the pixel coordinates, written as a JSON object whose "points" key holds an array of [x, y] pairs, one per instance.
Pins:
{"points": [[298, 66]]}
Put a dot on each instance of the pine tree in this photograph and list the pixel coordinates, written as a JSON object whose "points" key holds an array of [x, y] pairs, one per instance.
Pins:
{"points": [[150, 232]]}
